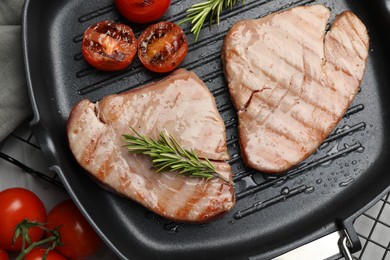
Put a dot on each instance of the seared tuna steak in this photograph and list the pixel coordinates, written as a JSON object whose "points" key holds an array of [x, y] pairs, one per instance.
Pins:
{"points": [[291, 81], [180, 105]]}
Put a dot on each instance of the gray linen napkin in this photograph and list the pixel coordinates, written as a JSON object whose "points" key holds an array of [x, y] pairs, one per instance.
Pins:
{"points": [[14, 102]]}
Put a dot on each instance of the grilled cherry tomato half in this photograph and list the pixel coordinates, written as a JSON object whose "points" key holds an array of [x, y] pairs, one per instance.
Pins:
{"points": [[17, 204], [77, 236], [109, 46], [142, 11], [37, 253], [162, 47]]}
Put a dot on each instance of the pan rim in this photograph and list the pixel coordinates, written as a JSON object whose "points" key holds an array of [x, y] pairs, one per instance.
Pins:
{"points": [[38, 123]]}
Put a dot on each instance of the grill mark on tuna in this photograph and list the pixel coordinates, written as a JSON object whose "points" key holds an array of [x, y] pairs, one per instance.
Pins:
{"points": [[282, 59], [352, 37], [105, 168], [312, 126], [338, 68], [191, 201], [343, 23], [269, 75], [307, 100], [290, 22], [264, 98], [272, 108], [125, 182], [89, 151], [269, 137], [275, 130], [290, 117], [304, 99], [352, 25], [346, 50]]}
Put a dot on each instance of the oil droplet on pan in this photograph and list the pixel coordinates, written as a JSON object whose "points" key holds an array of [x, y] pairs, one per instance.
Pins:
{"points": [[309, 190], [285, 191], [346, 183]]}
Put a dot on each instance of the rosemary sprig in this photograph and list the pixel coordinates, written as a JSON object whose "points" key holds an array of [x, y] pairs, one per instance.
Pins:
{"points": [[198, 13], [168, 155]]}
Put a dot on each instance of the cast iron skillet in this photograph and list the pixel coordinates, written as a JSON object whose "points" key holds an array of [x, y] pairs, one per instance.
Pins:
{"points": [[325, 193]]}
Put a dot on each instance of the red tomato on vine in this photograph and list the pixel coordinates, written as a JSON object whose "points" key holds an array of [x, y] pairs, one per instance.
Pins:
{"points": [[38, 252], [16, 205], [77, 236], [142, 11], [3, 254]]}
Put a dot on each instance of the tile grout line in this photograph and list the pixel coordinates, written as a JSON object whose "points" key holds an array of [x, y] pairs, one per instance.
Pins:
{"points": [[376, 221]]}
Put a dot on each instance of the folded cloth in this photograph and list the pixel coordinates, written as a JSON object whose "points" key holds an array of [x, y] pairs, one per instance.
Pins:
{"points": [[15, 105]]}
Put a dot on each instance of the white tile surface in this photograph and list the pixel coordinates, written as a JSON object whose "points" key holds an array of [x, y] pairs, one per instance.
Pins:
{"points": [[364, 225]]}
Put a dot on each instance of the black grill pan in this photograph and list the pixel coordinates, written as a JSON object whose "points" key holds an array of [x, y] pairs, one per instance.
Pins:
{"points": [[273, 214]]}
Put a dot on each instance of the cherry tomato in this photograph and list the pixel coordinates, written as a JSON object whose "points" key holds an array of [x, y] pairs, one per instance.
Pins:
{"points": [[109, 46], [142, 11], [162, 47], [77, 236], [3, 254], [17, 204], [38, 252]]}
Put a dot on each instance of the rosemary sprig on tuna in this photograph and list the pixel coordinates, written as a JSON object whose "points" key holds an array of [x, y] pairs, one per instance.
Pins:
{"points": [[198, 13], [168, 155]]}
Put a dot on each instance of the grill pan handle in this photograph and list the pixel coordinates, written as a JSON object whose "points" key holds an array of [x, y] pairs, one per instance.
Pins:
{"points": [[332, 246], [42, 134], [344, 245]]}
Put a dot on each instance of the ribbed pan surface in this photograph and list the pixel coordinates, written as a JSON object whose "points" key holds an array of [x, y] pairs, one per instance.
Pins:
{"points": [[272, 213]]}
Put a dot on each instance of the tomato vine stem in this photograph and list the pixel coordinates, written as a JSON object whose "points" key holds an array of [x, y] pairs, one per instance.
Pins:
{"points": [[21, 230]]}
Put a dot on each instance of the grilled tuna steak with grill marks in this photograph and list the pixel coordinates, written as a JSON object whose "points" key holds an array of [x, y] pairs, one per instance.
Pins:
{"points": [[291, 81], [180, 105]]}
